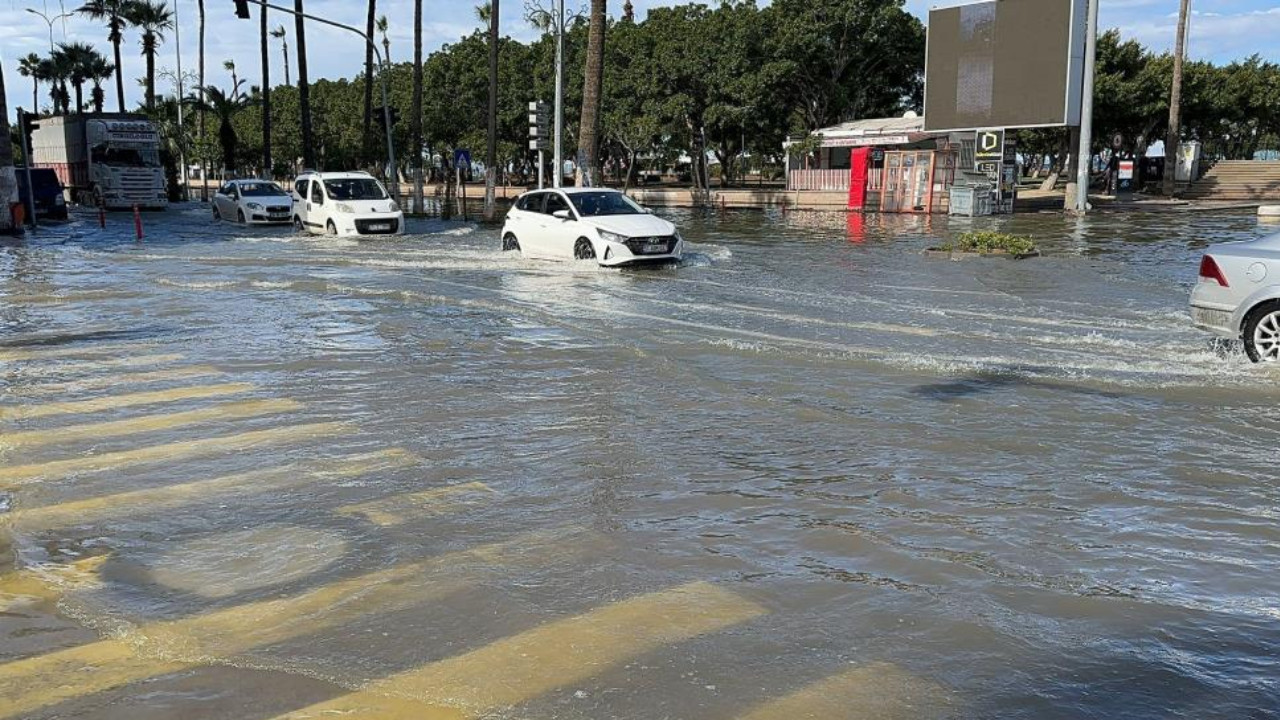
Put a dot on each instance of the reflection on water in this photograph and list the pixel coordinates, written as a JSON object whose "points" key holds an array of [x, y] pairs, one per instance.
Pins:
{"points": [[980, 488]]}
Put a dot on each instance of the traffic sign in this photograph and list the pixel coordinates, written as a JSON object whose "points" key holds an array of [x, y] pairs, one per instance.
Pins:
{"points": [[539, 144], [462, 158]]}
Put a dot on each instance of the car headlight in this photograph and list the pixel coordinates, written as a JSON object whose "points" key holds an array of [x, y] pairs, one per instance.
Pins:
{"points": [[344, 208], [253, 206], [612, 237], [395, 207]]}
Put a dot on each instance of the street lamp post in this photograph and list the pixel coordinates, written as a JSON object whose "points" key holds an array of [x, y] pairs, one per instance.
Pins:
{"points": [[1085, 151], [49, 21], [386, 68], [559, 169], [182, 138]]}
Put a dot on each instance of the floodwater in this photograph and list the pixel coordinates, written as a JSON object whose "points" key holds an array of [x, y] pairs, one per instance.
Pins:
{"points": [[808, 473]]}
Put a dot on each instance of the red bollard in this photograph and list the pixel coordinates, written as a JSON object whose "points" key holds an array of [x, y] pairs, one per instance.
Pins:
{"points": [[102, 217], [137, 222]]}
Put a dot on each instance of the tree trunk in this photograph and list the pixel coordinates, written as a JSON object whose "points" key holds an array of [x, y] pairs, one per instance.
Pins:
{"points": [[285, 50], [366, 140], [415, 128], [119, 72], [8, 178], [304, 94], [588, 165], [1175, 104], [267, 165], [149, 48], [227, 136], [204, 163], [491, 156]]}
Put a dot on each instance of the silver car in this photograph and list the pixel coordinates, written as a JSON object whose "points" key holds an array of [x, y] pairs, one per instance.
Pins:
{"points": [[254, 202], [1238, 295]]}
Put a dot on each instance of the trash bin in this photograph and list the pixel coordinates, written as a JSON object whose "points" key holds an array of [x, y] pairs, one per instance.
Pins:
{"points": [[970, 195]]}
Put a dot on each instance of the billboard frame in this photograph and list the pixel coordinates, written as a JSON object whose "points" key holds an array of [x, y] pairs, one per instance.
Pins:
{"points": [[1074, 97]]}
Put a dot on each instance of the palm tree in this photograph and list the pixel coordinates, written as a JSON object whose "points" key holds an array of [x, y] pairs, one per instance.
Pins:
{"points": [[115, 13], [384, 27], [224, 106], [304, 90], [266, 98], [57, 71], [153, 17], [79, 58], [278, 34], [415, 128], [29, 67], [589, 135], [366, 141], [101, 69], [230, 66], [6, 157]]}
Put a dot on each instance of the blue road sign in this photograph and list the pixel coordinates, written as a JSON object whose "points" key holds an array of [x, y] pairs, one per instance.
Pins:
{"points": [[462, 158]]}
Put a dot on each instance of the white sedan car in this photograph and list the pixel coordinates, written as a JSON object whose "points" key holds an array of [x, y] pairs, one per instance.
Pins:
{"points": [[589, 224], [1238, 295], [344, 203], [253, 202]]}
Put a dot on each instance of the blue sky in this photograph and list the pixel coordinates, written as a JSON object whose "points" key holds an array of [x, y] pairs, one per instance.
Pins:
{"points": [[1221, 30]]}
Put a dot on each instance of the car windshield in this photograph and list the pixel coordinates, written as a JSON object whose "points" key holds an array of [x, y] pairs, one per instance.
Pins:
{"points": [[355, 189], [126, 157], [595, 204], [262, 189]]}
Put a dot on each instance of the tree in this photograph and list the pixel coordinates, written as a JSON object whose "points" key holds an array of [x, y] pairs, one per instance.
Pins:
{"points": [[279, 34], [99, 70], [491, 13], [58, 71], [29, 67], [230, 66], [115, 13], [304, 90], [589, 138], [370, 26], [416, 111], [79, 58], [224, 106], [10, 181], [267, 165], [1175, 101], [153, 17]]}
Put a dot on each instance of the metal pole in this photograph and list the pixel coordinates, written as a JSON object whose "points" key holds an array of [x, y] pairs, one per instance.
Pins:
{"points": [[541, 162], [182, 143], [558, 171], [392, 171], [26, 157], [491, 157], [1085, 150]]}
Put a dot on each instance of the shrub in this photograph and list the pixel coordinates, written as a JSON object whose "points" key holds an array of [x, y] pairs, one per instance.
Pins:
{"points": [[986, 242]]}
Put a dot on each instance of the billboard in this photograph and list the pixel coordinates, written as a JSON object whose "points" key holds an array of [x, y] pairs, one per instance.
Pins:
{"points": [[1004, 64]]}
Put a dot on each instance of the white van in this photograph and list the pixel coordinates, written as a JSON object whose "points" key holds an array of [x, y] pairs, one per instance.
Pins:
{"points": [[348, 203]]}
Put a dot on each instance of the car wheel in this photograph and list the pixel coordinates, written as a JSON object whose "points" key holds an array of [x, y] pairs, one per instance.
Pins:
{"points": [[297, 225], [584, 250], [1262, 333], [240, 216], [510, 243], [216, 215], [331, 228]]}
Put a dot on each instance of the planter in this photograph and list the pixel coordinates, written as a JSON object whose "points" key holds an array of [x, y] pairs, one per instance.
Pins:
{"points": [[963, 254]]}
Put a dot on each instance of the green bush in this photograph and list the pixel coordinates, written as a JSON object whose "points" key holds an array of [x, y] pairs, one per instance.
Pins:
{"points": [[986, 242]]}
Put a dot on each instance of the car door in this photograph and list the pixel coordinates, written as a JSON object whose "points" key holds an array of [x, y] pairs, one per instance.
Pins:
{"points": [[317, 211], [232, 202], [220, 203], [558, 234], [526, 224], [300, 193]]}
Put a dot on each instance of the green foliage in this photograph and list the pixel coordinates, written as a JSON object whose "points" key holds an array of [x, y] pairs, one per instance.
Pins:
{"points": [[988, 242]]}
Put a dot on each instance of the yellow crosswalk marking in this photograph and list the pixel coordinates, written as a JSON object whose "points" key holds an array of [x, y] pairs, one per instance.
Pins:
{"points": [[103, 364], [524, 666], [53, 352], [388, 512], [114, 381], [148, 423], [48, 581], [18, 474], [26, 412], [877, 691], [160, 648], [172, 496]]}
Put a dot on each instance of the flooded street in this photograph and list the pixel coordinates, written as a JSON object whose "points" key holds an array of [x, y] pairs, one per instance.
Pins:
{"points": [[809, 473]]}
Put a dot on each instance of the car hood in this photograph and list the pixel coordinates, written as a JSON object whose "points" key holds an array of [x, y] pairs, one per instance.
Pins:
{"points": [[633, 225], [281, 201], [363, 207]]}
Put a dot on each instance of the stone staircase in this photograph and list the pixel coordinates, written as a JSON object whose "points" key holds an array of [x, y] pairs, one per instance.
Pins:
{"points": [[1237, 181]]}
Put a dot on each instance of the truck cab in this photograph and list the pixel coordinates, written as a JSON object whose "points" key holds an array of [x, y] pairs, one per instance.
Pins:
{"points": [[110, 160]]}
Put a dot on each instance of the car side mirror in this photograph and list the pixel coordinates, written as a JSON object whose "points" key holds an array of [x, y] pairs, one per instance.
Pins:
{"points": [[562, 214]]}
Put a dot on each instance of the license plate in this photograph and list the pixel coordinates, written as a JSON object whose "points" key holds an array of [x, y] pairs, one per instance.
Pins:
{"points": [[654, 248], [380, 226]]}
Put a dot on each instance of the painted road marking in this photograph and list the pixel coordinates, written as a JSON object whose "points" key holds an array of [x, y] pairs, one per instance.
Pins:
{"points": [[46, 582], [878, 690], [148, 423], [156, 649], [524, 666], [173, 496], [54, 352], [115, 381], [26, 412], [19, 474], [397, 510]]}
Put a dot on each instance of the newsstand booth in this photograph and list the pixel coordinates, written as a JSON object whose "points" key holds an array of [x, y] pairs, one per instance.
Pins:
{"points": [[890, 165]]}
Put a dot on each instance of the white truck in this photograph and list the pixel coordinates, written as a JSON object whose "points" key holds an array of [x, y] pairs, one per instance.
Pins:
{"points": [[104, 159]]}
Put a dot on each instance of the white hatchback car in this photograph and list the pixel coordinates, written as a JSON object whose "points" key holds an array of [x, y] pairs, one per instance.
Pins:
{"points": [[589, 224], [351, 203], [253, 202], [1238, 295]]}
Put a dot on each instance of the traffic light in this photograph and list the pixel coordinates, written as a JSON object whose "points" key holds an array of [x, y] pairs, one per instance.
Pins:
{"points": [[242, 9]]}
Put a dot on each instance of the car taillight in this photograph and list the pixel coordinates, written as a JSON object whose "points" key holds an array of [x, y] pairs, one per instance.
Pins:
{"points": [[1209, 271]]}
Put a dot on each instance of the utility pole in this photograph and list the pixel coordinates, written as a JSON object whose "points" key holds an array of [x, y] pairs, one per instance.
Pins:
{"points": [[1175, 104], [182, 133], [558, 172], [491, 158], [1085, 157]]}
